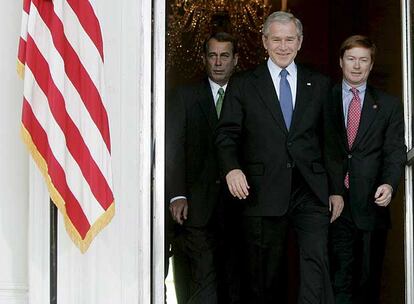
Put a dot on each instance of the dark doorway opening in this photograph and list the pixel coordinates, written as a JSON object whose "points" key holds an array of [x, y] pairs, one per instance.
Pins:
{"points": [[326, 24]]}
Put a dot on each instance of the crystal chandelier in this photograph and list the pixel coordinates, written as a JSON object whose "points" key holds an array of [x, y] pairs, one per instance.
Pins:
{"points": [[190, 22]]}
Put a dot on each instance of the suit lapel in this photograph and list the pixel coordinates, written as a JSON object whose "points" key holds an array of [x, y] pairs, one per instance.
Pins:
{"points": [[267, 93], [303, 94], [369, 111], [206, 101]]}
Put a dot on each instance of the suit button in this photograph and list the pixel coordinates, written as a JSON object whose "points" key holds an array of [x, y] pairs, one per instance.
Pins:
{"points": [[289, 165], [349, 156], [289, 144]]}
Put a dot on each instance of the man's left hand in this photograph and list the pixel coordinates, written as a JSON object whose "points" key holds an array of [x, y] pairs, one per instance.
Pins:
{"points": [[336, 205], [383, 195]]}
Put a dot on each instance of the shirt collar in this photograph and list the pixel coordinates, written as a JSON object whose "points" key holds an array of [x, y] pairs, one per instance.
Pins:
{"points": [[346, 87], [275, 69], [215, 87]]}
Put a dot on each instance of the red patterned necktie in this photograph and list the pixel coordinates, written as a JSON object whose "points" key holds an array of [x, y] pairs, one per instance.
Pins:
{"points": [[354, 115]]}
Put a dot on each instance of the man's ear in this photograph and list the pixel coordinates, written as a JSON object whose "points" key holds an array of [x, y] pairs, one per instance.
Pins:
{"points": [[300, 42], [264, 39], [236, 58], [372, 65]]}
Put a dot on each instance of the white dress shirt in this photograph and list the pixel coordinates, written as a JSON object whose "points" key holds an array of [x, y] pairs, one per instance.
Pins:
{"points": [[292, 77]]}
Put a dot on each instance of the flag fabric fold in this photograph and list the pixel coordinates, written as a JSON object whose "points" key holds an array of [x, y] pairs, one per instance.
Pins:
{"points": [[65, 124]]}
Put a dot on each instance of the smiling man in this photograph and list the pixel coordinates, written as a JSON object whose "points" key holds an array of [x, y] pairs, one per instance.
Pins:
{"points": [[269, 148], [192, 176], [369, 135]]}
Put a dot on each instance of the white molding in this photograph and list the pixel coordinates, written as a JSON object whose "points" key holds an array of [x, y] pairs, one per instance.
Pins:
{"points": [[18, 287], [407, 95], [13, 298], [13, 293], [158, 292], [143, 52]]}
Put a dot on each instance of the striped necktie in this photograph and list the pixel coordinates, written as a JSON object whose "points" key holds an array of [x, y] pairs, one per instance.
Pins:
{"points": [[219, 103]]}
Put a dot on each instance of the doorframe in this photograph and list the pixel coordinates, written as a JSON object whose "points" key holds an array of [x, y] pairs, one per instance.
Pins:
{"points": [[159, 15], [158, 158], [408, 112]]}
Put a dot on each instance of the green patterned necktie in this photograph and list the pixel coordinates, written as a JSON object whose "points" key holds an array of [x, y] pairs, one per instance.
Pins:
{"points": [[219, 103]]}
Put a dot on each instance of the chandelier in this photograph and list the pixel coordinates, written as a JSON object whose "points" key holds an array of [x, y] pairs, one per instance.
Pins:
{"points": [[190, 22]]}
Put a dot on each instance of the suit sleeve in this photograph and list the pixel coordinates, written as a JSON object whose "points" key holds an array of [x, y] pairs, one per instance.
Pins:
{"points": [[331, 146], [229, 128], [175, 142], [394, 149]]}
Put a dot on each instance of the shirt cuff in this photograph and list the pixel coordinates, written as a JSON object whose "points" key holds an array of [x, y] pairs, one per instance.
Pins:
{"points": [[177, 198]]}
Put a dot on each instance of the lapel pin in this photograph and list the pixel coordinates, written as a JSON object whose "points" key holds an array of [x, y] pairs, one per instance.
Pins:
{"points": [[308, 84], [374, 106]]}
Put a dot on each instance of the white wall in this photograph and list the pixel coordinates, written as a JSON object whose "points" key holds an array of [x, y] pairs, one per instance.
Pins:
{"points": [[116, 268], [13, 166]]}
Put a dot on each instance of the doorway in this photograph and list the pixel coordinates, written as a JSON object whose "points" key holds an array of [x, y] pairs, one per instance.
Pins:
{"points": [[326, 25]]}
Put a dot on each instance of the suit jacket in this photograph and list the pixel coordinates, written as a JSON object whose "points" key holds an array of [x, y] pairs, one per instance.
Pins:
{"points": [[378, 154], [191, 163], [252, 136]]}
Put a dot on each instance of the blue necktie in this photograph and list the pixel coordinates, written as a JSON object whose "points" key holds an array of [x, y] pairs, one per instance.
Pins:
{"points": [[285, 98]]}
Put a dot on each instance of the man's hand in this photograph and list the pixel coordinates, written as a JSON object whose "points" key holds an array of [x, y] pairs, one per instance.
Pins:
{"points": [[383, 195], [179, 210], [237, 183], [336, 205]]}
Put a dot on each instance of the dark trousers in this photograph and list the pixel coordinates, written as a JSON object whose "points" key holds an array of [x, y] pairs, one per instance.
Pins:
{"points": [[264, 280], [229, 248], [207, 260], [357, 257], [195, 277]]}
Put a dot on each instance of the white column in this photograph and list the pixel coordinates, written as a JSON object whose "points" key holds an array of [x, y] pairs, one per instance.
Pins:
{"points": [[159, 126], [13, 165], [406, 25], [38, 254]]}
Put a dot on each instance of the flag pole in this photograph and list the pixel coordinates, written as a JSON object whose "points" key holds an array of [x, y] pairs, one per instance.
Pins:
{"points": [[53, 252]]}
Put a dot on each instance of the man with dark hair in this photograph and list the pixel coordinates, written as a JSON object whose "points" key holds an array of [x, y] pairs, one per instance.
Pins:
{"points": [[221, 37], [192, 174], [269, 142], [370, 151]]}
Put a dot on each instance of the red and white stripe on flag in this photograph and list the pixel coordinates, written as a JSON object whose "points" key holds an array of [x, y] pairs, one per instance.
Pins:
{"points": [[64, 121]]}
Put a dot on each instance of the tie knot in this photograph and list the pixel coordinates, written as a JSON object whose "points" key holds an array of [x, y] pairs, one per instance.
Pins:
{"points": [[283, 73], [355, 92], [221, 92]]}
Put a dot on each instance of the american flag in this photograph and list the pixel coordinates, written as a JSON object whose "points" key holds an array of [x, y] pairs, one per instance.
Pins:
{"points": [[64, 121]]}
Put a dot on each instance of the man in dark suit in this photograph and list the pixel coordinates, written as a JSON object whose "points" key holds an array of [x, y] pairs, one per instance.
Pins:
{"points": [[369, 135], [269, 142], [192, 174]]}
